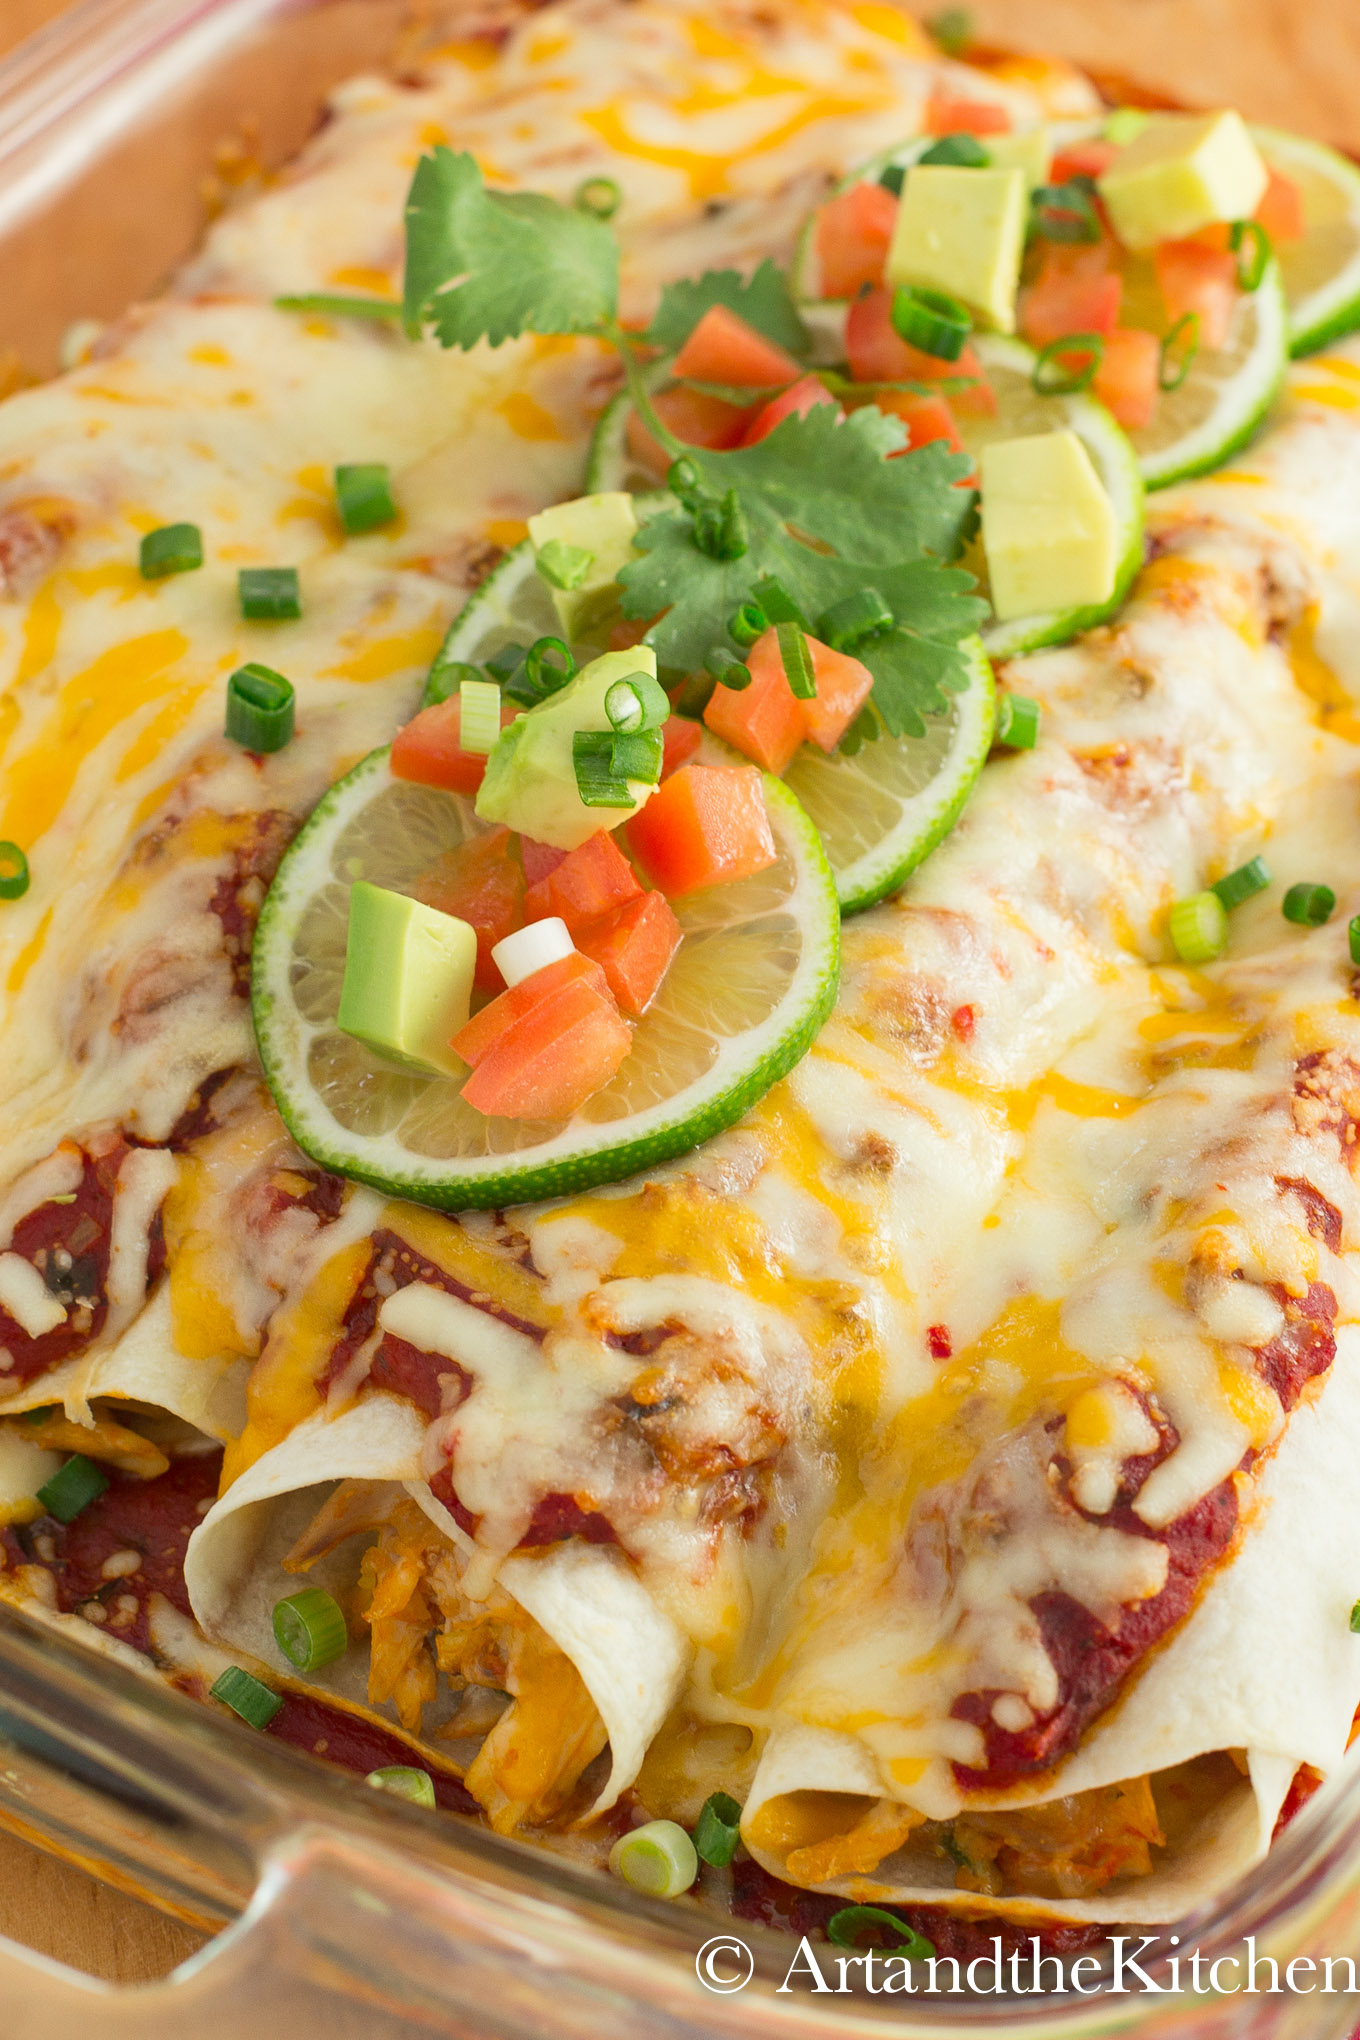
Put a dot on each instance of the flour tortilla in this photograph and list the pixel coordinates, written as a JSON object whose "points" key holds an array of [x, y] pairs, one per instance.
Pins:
{"points": [[144, 1366], [630, 1656], [1229, 1679]]}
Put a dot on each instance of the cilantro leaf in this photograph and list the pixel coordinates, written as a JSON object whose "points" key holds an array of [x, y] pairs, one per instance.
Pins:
{"points": [[763, 300], [827, 514], [487, 265]]}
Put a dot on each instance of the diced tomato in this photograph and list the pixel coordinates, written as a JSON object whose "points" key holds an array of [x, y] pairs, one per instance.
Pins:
{"points": [[1082, 159], [843, 685], [765, 720], [877, 353], [796, 401], [725, 348], [540, 860], [482, 882], [680, 739], [593, 880], [925, 418], [479, 1034], [1193, 278], [1281, 210], [552, 1058], [853, 233], [945, 116], [1070, 296], [1126, 380], [634, 947], [695, 417], [429, 750], [706, 826]]}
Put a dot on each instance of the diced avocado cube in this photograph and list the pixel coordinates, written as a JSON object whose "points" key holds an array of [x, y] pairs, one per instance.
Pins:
{"points": [[1048, 526], [530, 782], [1030, 151], [963, 232], [604, 526], [1182, 172], [408, 979]]}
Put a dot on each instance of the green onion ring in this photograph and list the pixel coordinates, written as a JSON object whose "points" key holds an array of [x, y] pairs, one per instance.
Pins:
{"points": [[1050, 379], [1173, 368], [929, 319], [1250, 243]]}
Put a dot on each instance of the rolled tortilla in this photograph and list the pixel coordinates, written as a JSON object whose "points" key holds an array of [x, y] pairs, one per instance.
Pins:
{"points": [[144, 1366], [630, 1656]]}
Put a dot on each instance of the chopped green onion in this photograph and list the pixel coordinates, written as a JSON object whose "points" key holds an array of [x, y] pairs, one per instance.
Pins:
{"points": [[479, 716], [1066, 212], [1017, 722], [718, 1830], [775, 599], [746, 624], [726, 670], [548, 665], [335, 305], [363, 496], [269, 594], [1309, 905], [405, 1781], [600, 196], [957, 151], [637, 754], [855, 617], [1178, 350], [797, 661], [1353, 938], [845, 1927], [658, 1859], [637, 702], [1049, 376], [310, 1629], [260, 704], [1198, 927], [1250, 243], [605, 761], [72, 1488], [1124, 123], [683, 477], [720, 529], [174, 549], [255, 1702], [892, 177], [14, 878], [931, 320], [952, 30], [563, 565], [1355, 1619], [1243, 884], [446, 678]]}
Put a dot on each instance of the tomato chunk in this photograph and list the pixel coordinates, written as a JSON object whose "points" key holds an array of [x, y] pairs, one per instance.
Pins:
{"points": [[706, 826], [1193, 278], [725, 348], [925, 418], [482, 882], [877, 353], [680, 739], [1082, 159], [549, 1060], [592, 880], [634, 947], [1281, 210], [1073, 293], [853, 233], [538, 859], [1126, 380], [946, 116], [843, 686], [479, 1034], [796, 401], [695, 417], [428, 749], [765, 720]]}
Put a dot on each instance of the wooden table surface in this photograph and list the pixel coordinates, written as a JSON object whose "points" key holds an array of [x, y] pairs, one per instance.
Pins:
{"points": [[1296, 62]]}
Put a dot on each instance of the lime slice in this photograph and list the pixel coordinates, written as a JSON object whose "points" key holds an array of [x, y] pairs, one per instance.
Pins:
{"points": [[1020, 410], [753, 981], [1321, 272], [883, 810]]}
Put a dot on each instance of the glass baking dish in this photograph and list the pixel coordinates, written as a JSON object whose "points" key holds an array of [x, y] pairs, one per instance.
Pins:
{"points": [[343, 1913]]}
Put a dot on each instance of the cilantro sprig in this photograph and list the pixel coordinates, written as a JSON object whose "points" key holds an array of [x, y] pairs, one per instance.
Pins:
{"points": [[826, 505]]}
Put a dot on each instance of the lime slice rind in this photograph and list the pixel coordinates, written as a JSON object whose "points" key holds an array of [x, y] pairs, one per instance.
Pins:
{"points": [[1225, 398], [742, 1004], [1321, 273]]}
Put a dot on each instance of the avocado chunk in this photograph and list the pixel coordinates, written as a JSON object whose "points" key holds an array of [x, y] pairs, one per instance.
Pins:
{"points": [[1031, 151], [963, 232], [530, 782], [408, 979], [1048, 526], [603, 526], [1182, 172]]}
